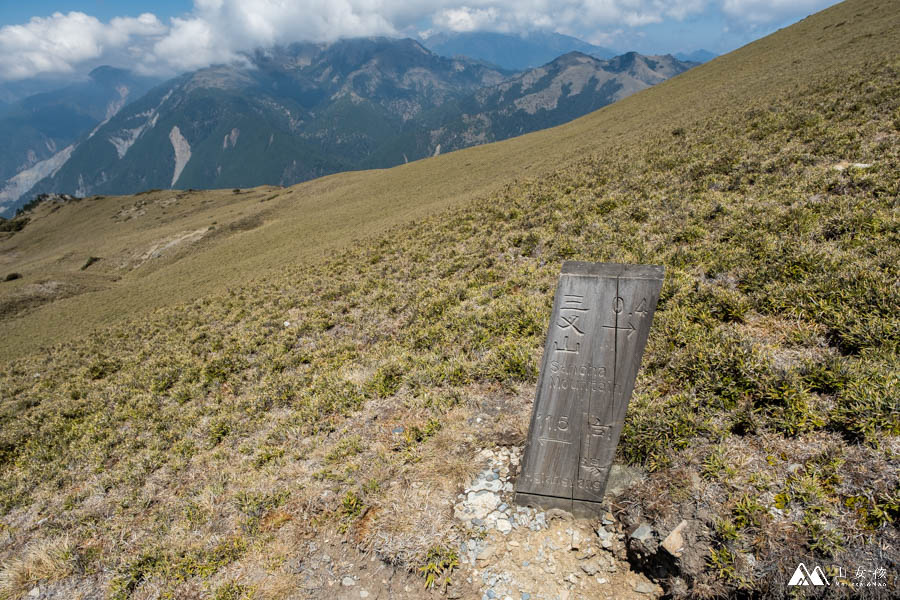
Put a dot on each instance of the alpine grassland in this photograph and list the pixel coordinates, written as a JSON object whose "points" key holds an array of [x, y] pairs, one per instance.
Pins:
{"points": [[177, 429]]}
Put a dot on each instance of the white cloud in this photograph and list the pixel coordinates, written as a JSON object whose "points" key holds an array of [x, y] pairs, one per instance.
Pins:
{"points": [[466, 19], [218, 30], [765, 12], [56, 44]]}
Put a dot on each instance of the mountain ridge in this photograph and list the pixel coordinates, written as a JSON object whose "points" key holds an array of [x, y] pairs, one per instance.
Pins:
{"points": [[308, 110], [299, 383], [513, 51], [41, 130], [277, 391], [568, 87]]}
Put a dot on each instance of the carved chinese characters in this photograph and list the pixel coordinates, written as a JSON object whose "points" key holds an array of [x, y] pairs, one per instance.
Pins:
{"points": [[598, 329]]}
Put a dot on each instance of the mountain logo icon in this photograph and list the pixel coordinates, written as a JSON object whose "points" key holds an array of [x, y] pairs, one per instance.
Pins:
{"points": [[802, 576]]}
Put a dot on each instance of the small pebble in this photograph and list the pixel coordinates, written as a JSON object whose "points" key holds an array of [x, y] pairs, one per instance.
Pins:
{"points": [[642, 587]]}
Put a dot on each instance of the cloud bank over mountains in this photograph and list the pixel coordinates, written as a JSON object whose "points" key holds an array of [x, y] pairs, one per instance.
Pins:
{"points": [[217, 31]]}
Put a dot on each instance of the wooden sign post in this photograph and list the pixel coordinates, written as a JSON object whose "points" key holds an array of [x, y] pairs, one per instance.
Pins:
{"points": [[599, 327]]}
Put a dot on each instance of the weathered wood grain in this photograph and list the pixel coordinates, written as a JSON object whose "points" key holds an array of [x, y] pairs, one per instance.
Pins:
{"points": [[598, 329]]}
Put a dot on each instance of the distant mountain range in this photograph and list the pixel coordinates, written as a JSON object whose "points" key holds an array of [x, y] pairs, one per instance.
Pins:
{"points": [[564, 89], [14, 91], [308, 110], [38, 131], [512, 51], [697, 56]]}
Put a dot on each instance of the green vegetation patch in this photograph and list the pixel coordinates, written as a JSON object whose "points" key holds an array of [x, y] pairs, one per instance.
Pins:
{"points": [[769, 383]]}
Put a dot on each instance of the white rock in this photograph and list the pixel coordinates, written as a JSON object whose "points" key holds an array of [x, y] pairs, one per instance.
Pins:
{"points": [[642, 587], [606, 538], [845, 165], [462, 512], [490, 521], [482, 503], [591, 567], [491, 486], [576, 540], [348, 581], [503, 526]]}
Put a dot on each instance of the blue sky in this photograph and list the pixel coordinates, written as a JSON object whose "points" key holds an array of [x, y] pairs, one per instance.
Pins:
{"points": [[44, 38], [13, 12]]}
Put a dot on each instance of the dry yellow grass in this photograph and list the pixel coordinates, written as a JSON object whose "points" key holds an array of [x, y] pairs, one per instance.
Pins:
{"points": [[201, 447], [47, 561], [310, 221]]}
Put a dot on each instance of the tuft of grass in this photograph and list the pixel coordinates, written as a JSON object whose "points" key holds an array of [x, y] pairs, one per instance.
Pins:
{"points": [[438, 565], [748, 512], [48, 561], [175, 566], [351, 508], [234, 591], [90, 261], [345, 448]]}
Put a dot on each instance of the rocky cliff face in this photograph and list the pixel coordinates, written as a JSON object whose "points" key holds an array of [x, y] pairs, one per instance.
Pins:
{"points": [[570, 86], [307, 110], [39, 131]]}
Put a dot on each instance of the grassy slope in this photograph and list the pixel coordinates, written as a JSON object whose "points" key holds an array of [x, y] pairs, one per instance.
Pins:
{"points": [[334, 211], [206, 433]]}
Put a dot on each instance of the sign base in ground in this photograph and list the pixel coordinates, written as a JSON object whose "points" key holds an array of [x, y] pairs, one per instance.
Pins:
{"points": [[598, 329]]}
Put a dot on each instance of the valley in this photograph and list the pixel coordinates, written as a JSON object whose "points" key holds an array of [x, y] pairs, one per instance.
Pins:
{"points": [[296, 113]]}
